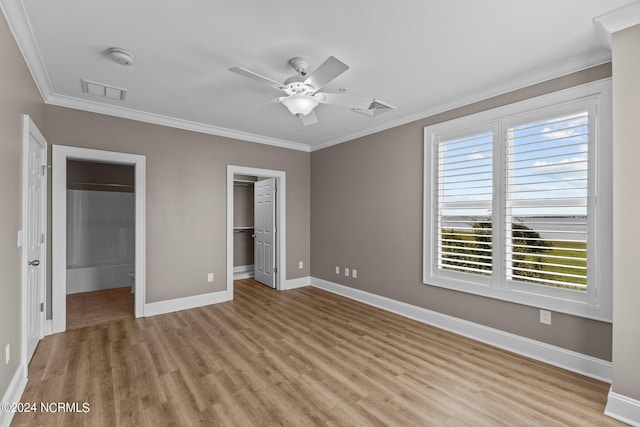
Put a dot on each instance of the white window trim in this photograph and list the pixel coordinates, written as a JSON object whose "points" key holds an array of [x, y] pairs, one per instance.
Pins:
{"points": [[596, 303]]}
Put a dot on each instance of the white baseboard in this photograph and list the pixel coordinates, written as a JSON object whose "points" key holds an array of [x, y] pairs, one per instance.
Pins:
{"points": [[48, 327], [13, 394], [623, 408], [243, 272], [297, 283], [553, 355], [169, 306]]}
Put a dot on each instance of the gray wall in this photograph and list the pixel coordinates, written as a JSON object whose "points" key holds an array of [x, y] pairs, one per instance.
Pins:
{"points": [[366, 213], [186, 195], [18, 95], [626, 212]]}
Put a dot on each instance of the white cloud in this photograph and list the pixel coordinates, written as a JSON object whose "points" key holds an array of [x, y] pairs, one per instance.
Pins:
{"points": [[475, 156], [573, 164]]}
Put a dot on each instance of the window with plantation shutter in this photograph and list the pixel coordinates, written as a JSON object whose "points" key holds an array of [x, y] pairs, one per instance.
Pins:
{"points": [[547, 201], [465, 190], [517, 202]]}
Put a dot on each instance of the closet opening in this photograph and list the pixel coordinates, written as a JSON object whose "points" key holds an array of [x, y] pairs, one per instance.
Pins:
{"points": [[100, 267], [256, 227], [243, 226]]}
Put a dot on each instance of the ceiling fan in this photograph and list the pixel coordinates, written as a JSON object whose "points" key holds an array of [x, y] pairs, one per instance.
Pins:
{"points": [[303, 91]]}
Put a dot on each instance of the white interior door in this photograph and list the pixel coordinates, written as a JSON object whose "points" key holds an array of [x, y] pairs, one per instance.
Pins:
{"points": [[34, 227], [265, 230]]}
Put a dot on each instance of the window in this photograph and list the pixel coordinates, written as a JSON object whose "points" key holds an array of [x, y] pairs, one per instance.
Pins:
{"points": [[517, 202]]}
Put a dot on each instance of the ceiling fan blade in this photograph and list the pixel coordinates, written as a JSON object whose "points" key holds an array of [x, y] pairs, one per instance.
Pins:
{"points": [[329, 70], [257, 77], [309, 119], [347, 101]]}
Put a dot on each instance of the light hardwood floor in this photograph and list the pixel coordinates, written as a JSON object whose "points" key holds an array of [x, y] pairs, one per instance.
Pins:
{"points": [[91, 308], [302, 357]]}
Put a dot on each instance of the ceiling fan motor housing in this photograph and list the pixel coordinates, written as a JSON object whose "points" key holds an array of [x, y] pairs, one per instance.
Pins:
{"points": [[296, 86], [300, 64]]}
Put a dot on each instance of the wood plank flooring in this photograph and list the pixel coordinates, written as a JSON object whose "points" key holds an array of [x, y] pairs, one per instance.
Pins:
{"points": [[91, 308], [297, 358]]}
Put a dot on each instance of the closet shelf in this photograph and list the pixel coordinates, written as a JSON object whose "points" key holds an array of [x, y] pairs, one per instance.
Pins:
{"points": [[244, 228]]}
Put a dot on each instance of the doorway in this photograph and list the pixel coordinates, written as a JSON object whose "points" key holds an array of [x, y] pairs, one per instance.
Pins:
{"points": [[241, 227], [62, 254], [254, 230], [100, 242]]}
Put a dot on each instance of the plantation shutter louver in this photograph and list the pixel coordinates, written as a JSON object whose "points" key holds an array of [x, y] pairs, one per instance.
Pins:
{"points": [[464, 201], [547, 176]]}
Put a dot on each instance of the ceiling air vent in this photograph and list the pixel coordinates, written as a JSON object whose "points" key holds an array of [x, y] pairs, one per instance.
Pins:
{"points": [[101, 89], [375, 109]]}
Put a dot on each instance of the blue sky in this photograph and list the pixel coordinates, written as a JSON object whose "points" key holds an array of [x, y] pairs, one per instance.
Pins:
{"points": [[547, 162]]}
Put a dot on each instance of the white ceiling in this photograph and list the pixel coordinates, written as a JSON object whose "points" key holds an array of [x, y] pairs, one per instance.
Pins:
{"points": [[419, 56]]}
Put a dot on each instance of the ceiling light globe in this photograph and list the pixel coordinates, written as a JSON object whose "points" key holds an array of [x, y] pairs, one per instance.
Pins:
{"points": [[300, 104]]}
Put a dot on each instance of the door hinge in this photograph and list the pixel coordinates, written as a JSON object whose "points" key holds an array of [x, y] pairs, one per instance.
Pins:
{"points": [[44, 170], [42, 238], [41, 307], [275, 269]]}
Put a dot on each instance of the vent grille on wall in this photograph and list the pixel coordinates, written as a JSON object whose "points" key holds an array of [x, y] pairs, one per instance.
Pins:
{"points": [[101, 89], [376, 108]]}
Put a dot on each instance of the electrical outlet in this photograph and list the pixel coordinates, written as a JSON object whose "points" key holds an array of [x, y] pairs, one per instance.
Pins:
{"points": [[7, 354], [337, 270], [346, 271], [545, 317], [300, 265], [210, 277], [354, 273]]}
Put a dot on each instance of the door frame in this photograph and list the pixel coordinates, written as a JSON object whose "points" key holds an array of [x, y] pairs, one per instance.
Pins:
{"points": [[30, 129], [281, 221], [60, 155]]}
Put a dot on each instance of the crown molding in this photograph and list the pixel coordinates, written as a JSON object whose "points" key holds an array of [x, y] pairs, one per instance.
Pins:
{"points": [[617, 20], [20, 27], [157, 119], [540, 75]]}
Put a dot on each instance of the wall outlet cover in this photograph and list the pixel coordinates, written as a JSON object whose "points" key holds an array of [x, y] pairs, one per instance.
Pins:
{"points": [[545, 317], [210, 277], [346, 271]]}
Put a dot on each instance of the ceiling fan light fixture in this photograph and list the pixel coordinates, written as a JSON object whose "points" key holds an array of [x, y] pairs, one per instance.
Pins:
{"points": [[300, 105]]}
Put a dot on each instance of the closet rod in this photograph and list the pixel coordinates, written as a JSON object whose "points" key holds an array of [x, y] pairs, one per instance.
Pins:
{"points": [[242, 182], [104, 185]]}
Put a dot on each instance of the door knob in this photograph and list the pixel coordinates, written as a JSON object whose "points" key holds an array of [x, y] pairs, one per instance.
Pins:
{"points": [[35, 262]]}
